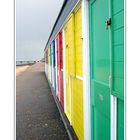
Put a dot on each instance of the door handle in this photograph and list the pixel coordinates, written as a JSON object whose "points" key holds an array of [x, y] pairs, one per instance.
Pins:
{"points": [[108, 23]]}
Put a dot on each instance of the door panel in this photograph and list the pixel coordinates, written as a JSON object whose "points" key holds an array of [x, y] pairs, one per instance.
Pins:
{"points": [[100, 70], [49, 63], [78, 43], [60, 67], [67, 75], [61, 89], [77, 84], [57, 52], [120, 119], [52, 65], [71, 47], [70, 63], [61, 50], [54, 71], [74, 86], [77, 109], [118, 62], [102, 125]]}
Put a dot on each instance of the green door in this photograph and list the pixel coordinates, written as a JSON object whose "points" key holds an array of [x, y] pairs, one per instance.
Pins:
{"points": [[107, 69], [100, 70], [118, 62]]}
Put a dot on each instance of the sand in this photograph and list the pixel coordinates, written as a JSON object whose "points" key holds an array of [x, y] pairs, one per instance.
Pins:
{"points": [[20, 69]]}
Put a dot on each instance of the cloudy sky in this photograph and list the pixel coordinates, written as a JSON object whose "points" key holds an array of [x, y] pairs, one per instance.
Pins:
{"points": [[34, 22]]}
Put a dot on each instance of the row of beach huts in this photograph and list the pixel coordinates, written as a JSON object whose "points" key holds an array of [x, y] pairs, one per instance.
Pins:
{"points": [[84, 64]]}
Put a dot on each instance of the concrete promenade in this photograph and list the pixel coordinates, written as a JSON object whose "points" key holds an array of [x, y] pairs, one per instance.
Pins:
{"points": [[37, 116]]}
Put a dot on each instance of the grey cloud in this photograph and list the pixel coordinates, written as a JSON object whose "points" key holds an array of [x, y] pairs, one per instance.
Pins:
{"points": [[34, 21]]}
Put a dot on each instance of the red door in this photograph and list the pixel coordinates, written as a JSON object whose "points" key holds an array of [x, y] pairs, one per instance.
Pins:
{"points": [[60, 69], [57, 51]]}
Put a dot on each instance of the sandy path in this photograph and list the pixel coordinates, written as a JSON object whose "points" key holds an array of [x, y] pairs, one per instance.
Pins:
{"points": [[20, 69], [37, 116]]}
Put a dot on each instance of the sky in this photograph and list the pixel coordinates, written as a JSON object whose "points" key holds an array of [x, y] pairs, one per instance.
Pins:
{"points": [[34, 22]]}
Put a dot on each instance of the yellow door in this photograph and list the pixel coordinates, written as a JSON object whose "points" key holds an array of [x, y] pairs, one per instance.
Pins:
{"points": [[67, 77], [74, 82], [70, 69], [77, 96], [49, 63], [78, 43]]}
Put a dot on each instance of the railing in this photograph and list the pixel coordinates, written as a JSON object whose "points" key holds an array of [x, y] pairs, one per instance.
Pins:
{"points": [[20, 63]]}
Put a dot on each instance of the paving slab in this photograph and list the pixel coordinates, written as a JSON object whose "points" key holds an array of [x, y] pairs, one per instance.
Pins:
{"points": [[37, 116]]}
